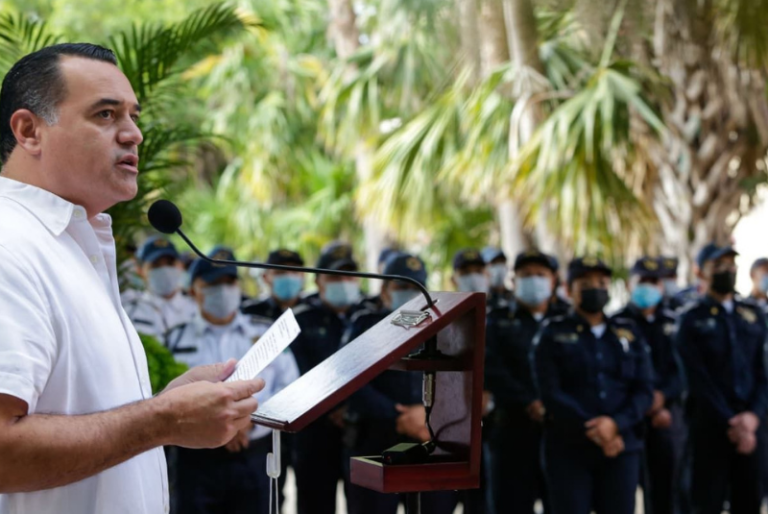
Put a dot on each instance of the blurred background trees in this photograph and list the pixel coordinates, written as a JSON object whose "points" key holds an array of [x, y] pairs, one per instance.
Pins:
{"points": [[615, 127]]}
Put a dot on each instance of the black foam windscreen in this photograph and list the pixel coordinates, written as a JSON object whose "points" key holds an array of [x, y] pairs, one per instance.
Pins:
{"points": [[164, 216]]}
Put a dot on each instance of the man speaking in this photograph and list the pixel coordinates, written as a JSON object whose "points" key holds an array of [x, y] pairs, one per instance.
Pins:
{"points": [[79, 429]]}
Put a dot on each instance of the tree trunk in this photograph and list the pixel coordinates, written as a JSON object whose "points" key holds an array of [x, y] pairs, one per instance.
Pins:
{"points": [[470, 37]]}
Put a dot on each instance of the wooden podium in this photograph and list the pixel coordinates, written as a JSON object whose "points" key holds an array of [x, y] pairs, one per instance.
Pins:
{"points": [[457, 321]]}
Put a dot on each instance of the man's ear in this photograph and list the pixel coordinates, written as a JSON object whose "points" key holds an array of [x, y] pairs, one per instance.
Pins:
{"points": [[26, 128]]}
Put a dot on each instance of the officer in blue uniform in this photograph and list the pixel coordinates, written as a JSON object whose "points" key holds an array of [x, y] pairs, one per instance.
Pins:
{"points": [[285, 287], [231, 479], [389, 410], [758, 272], [499, 296], [514, 440], [594, 377], [323, 320], [721, 341], [665, 433], [668, 271], [469, 272]]}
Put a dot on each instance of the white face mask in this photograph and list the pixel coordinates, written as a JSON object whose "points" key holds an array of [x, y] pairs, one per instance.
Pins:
{"points": [[164, 281], [472, 283], [497, 274], [533, 291], [342, 293], [400, 297], [221, 301]]}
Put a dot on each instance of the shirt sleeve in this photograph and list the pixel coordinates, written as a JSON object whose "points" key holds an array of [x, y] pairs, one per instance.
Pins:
{"points": [[28, 343]]}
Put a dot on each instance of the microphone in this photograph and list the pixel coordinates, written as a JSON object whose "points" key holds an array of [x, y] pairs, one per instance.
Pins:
{"points": [[165, 217]]}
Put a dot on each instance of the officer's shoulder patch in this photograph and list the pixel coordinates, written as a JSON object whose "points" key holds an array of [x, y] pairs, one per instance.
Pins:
{"points": [[624, 333], [747, 312]]}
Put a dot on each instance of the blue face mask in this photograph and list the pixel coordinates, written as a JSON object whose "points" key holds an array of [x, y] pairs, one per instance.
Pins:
{"points": [[342, 294], [287, 287], [764, 284], [400, 297], [646, 296], [533, 290]]}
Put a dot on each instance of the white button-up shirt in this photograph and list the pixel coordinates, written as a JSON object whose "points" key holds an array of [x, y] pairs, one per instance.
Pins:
{"points": [[199, 343], [66, 345], [154, 316]]}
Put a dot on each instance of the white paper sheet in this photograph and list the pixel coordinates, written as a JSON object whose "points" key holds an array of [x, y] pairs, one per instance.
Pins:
{"points": [[274, 341]]}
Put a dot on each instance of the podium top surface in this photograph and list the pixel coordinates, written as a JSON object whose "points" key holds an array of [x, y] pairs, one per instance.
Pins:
{"points": [[357, 363]]}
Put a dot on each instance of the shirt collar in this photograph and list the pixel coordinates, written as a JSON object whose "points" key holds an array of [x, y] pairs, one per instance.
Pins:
{"points": [[202, 326]]}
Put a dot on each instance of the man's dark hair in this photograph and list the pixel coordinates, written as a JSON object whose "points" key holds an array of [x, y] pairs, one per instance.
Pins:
{"points": [[35, 83]]}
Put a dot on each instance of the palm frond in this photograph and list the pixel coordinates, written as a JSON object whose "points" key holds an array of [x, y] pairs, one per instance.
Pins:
{"points": [[21, 35]]}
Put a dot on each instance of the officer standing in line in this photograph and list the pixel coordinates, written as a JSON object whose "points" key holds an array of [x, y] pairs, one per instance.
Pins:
{"points": [[721, 341], [163, 305], [389, 410], [665, 433], [469, 273], [285, 287], [759, 275], [514, 442], [232, 478], [669, 279], [323, 320], [594, 377], [496, 265]]}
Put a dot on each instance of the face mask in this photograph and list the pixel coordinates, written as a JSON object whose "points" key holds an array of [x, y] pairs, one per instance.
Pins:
{"points": [[287, 287], [724, 282], [497, 274], [342, 294], [164, 281], [221, 301], [472, 283], [401, 297], [670, 287], [764, 284], [646, 296], [533, 290], [593, 300]]}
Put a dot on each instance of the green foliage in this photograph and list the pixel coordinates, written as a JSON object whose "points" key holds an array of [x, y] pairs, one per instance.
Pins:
{"points": [[162, 366], [20, 36]]}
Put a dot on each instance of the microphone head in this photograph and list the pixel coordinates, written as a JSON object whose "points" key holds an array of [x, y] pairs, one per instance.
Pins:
{"points": [[164, 216]]}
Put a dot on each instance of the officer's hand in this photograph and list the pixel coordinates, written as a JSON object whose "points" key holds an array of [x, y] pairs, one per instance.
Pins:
{"points": [[614, 447], [412, 422], [211, 373], [240, 442], [662, 419], [207, 415], [658, 403], [747, 444], [536, 411], [746, 421], [601, 429]]}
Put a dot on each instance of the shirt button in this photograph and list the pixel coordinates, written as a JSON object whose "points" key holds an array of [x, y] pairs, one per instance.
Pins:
{"points": [[602, 395], [94, 259], [79, 214]]}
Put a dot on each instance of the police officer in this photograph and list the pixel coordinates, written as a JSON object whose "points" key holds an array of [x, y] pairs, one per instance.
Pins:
{"points": [[759, 275], [285, 287], [514, 441], [595, 380], [665, 435], [669, 279], [323, 320], [233, 478], [499, 296], [469, 273], [163, 305], [389, 410], [721, 341]]}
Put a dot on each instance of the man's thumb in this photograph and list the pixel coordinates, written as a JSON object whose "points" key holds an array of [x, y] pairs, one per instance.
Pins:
{"points": [[225, 369]]}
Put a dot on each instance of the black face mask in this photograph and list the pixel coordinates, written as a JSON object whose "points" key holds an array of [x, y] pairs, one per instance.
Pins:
{"points": [[724, 282], [593, 300]]}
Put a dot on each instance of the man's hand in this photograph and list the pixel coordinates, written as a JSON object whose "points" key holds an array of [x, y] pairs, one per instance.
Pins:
{"points": [[240, 442], [746, 422], [614, 447], [658, 403], [747, 444], [601, 430], [207, 415], [211, 373], [536, 411], [661, 419], [742, 432], [412, 422]]}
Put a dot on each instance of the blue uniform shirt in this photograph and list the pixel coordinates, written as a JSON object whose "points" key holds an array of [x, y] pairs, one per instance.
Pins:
{"points": [[723, 353], [581, 377]]}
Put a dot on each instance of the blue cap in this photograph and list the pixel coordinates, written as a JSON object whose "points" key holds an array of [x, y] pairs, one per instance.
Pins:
{"points": [[467, 257], [668, 266], [712, 252], [491, 253], [408, 266], [336, 255], [210, 272], [285, 257], [647, 267], [386, 254], [156, 247], [537, 257], [583, 265]]}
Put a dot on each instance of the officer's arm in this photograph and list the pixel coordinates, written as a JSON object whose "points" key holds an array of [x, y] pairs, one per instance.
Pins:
{"points": [[499, 379], [759, 402], [640, 395], [547, 378], [699, 381]]}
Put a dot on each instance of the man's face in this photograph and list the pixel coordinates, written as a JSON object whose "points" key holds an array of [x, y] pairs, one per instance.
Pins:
{"points": [[726, 263], [90, 156], [757, 275], [534, 269], [591, 280], [161, 262]]}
